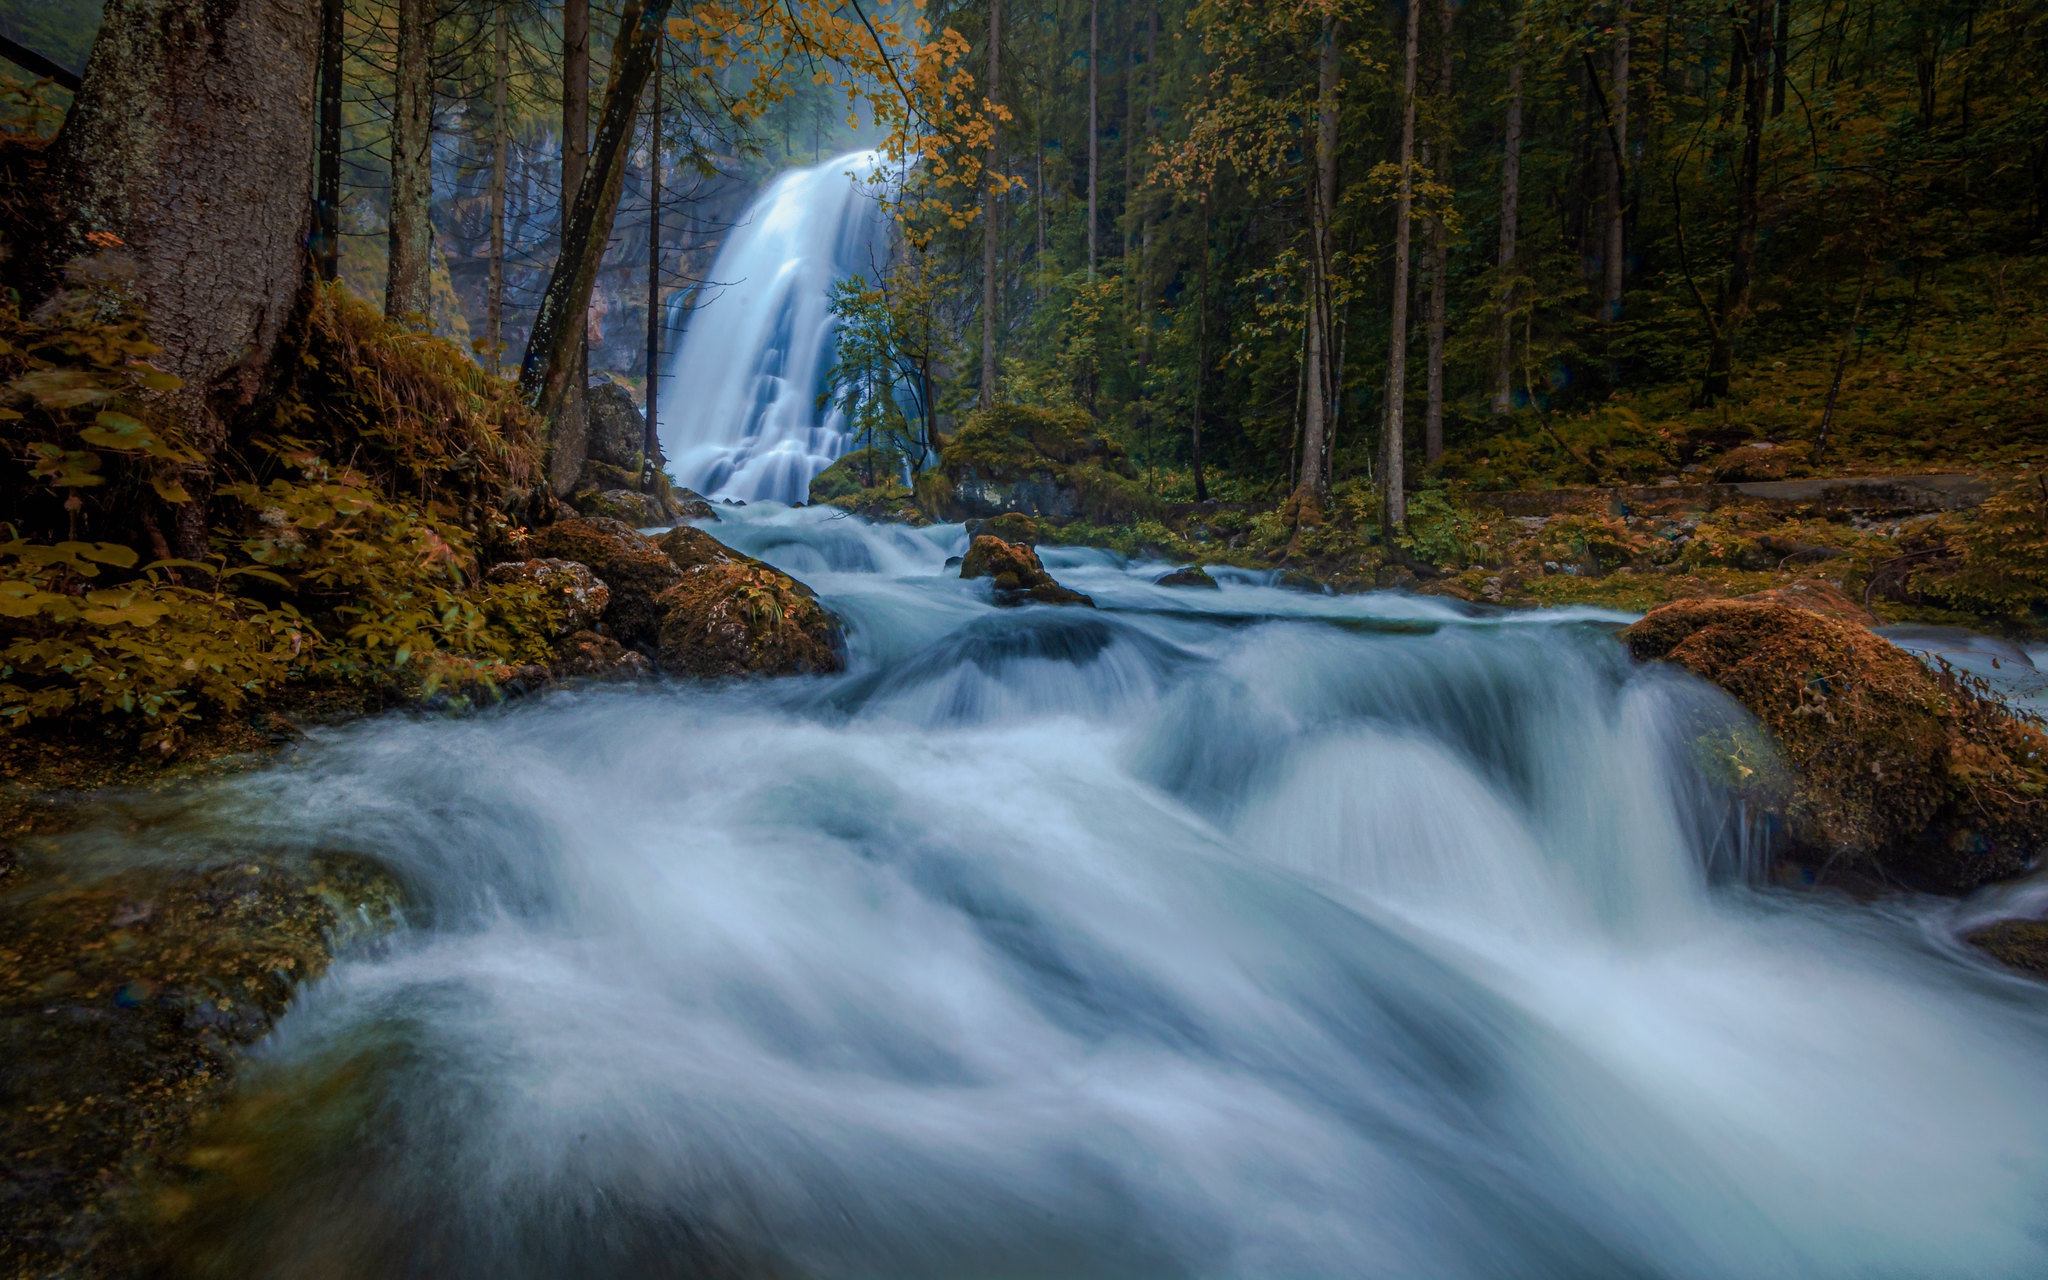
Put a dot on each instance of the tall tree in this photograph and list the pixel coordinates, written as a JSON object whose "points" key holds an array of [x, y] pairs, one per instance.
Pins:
{"points": [[1615, 258], [569, 433], [198, 96], [501, 140], [553, 352], [1320, 382], [327, 184], [1439, 247], [1393, 479], [1510, 220], [1753, 40], [1094, 131], [650, 435], [408, 283], [990, 181]]}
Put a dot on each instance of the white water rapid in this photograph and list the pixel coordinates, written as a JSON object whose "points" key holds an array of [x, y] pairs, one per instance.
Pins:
{"points": [[1225, 934], [739, 414]]}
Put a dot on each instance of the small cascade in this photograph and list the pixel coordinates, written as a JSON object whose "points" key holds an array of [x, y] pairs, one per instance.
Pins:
{"points": [[740, 418]]}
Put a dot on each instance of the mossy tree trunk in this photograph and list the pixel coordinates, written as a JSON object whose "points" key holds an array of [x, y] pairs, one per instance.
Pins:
{"points": [[191, 143]]}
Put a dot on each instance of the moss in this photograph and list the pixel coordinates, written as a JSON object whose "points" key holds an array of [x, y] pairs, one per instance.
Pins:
{"points": [[1016, 574], [1902, 768], [124, 1004], [1053, 463], [629, 563], [2017, 944], [745, 618]]}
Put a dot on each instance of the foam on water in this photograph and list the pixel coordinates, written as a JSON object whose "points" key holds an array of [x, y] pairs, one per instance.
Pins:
{"points": [[1231, 933]]}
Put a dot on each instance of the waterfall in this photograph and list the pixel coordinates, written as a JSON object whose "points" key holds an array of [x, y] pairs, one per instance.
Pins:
{"points": [[1232, 933], [740, 416]]}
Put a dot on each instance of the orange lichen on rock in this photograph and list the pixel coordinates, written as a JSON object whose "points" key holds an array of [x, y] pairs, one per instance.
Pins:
{"points": [[1016, 573], [1901, 768]]}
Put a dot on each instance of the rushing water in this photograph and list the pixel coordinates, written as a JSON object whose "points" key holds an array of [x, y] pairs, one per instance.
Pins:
{"points": [[757, 350], [1233, 933]]}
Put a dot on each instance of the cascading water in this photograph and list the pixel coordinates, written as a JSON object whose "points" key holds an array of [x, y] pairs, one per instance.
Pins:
{"points": [[1233, 933], [740, 416]]}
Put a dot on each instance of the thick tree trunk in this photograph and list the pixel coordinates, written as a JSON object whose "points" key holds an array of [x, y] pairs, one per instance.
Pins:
{"points": [[327, 187], [191, 141], [408, 285], [1781, 52], [988, 210], [501, 143], [1616, 255], [551, 362], [1439, 254], [1315, 438], [1510, 221], [1393, 479], [569, 427], [1094, 139]]}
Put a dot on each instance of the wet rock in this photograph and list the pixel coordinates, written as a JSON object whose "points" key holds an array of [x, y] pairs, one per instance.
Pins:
{"points": [[1016, 573], [640, 510], [1051, 464], [867, 482], [1894, 767], [125, 1004], [1012, 526], [580, 595], [2017, 944], [627, 560], [617, 427], [1296, 580], [586, 655], [1193, 575], [688, 504], [732, 615]]}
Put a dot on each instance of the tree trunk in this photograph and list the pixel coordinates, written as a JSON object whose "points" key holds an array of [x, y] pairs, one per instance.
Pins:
{"points": [[1094, 147], [1439, 256], [1781, 51], [1315, 438], [327, 195], [988, 210], [1201, 354], [1393, 479], [551, 354], [1510, 219], [1742, 253], [650, 435], [501, 139], [569, 427], [191, 140], [408, 284], [1615, 257]]}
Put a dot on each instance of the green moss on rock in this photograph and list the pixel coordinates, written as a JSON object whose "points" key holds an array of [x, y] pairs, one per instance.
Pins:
{"points": [[1050, 463]]}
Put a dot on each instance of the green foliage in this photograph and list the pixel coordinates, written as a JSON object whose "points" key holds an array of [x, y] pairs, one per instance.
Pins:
{"points": [[2003, 569], [1439, 532]]}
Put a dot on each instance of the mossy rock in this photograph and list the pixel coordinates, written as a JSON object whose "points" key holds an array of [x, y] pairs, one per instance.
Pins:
{"points": [[579, 596], [1016, 574], [1050, 463], [630, 564], [586, 655], [1895, 767], [1753, 462], [2017, 944], [745, 618], [1012, 526], [1193, 575], [125, 1004]]}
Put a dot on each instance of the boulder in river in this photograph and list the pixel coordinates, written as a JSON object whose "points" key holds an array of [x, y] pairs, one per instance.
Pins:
{"points": [[733, 615], [579, 596], [1904, 770], [627, 560], [586, 655], [1193, 575], [1016, 573]]}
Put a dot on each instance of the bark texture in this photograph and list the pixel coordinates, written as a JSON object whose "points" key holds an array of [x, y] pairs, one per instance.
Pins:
{"points": [[408, 286], [569, 428], [1439, 249], [988, 210], [1320, 383], [191, 141], [1510, 223], [501, 137], [553, 354], [1394, 481]]}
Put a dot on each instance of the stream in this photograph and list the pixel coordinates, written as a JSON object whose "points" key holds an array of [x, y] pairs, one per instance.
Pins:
{"points": [[1235, 933]]}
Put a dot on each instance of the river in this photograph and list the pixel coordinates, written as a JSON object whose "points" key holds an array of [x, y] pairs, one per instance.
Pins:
{"points": [[1235, 933]]}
